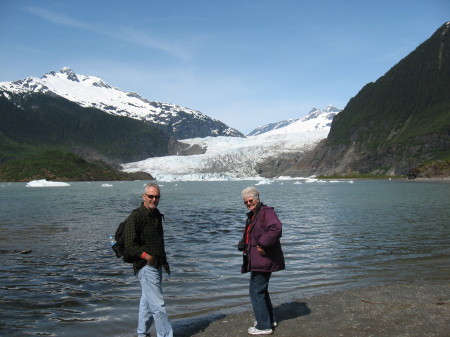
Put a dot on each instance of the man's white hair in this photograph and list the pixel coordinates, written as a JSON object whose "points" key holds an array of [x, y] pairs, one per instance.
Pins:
{"points": [[150, 185]]}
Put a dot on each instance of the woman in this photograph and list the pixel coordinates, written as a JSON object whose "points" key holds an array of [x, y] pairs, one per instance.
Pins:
{"points": [[262, 256]]}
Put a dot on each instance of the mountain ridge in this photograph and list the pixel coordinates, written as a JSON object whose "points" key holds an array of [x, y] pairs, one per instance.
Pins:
{"points": [[281, 124], [93, 92]]}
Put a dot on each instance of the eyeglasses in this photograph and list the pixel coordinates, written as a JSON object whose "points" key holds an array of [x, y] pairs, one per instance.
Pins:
{"points": [[249, 201], [151, 196]]}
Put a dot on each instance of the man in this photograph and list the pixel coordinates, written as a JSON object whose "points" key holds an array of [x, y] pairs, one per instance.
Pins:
{"points": [[144, 240]]}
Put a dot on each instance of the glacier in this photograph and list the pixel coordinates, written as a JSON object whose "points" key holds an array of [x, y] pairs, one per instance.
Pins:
{"points": [[232, 158]]}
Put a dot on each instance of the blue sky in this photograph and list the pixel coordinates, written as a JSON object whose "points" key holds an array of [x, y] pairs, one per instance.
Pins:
{"points": [[246, 63]]}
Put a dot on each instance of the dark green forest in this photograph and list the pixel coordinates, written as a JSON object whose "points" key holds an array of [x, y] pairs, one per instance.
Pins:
{"points": [[44, 136]]}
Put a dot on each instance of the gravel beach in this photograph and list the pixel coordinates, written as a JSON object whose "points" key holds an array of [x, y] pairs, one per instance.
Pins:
{"points": [[417, 309]]}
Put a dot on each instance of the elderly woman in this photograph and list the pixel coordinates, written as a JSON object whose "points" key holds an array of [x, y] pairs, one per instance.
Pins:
{"points": [[262, 255]]}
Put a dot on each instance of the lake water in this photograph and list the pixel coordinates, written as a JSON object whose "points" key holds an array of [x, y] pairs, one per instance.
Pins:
{"points": [[336, 235]]}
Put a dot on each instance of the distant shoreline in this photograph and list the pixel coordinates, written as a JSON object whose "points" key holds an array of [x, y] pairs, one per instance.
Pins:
{"points": [[432, 179], [396, 178], [421, 179]]}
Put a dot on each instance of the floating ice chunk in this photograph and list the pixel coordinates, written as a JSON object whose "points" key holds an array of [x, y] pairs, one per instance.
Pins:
{"points": [[264, 182], [285, 178], [194, 177], [45, 183]]}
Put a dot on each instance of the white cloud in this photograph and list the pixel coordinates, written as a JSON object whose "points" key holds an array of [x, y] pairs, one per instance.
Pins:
{"points": [[178, 49]]}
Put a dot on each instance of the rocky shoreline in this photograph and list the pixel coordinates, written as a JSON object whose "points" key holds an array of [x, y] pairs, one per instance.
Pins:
{"points": [[397, 309]]}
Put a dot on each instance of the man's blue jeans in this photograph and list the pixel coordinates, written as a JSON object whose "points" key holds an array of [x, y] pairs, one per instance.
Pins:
{"points": [[152, 307], [259, 296]]}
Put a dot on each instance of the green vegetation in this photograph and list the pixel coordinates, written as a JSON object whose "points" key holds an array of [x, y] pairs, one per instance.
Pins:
{"points": [[434, 169], [45, 122], [410, 101], [402, 119], [10, 149], [41, 135], [61, 166]]}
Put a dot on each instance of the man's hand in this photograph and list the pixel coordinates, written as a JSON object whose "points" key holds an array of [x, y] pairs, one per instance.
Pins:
{"points": [[150, 260]]}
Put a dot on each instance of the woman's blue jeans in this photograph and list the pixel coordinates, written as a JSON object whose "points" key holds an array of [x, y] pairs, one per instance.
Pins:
{"points": [[152, 307], [259, 296]]}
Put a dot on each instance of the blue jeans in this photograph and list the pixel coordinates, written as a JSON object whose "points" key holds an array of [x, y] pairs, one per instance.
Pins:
{"points": [[259, 296], [152, 307]]}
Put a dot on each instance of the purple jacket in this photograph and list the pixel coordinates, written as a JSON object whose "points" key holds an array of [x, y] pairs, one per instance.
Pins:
{"points": [[266, 232]]}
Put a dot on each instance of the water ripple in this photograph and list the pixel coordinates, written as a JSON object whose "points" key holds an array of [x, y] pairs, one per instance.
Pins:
{"points": [[334, 235]]}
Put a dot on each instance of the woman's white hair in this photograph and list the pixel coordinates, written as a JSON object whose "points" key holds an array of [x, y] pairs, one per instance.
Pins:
{"points": [[250, 192]]}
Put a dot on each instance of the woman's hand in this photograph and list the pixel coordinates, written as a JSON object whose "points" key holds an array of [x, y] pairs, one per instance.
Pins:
{"points": [[261, 251]]}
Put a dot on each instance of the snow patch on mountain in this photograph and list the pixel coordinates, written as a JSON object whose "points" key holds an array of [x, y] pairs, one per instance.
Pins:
{"points": [[229, 158], [272, 126], [331, 110]]}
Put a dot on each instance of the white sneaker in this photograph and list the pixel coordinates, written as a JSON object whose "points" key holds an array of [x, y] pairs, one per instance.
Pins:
{"points": [[253, 331], [274, 324]]}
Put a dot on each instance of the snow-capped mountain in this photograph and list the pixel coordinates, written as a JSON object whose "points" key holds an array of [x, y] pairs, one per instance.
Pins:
{"points": [[237, 158], [312, 114], [271, 126], [92, 91]]}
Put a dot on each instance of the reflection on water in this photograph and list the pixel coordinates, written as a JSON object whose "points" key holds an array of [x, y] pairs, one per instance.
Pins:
{"points": [[334, 235]]}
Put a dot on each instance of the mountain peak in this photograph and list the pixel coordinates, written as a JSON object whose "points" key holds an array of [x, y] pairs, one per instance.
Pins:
{"points": [[329, 108], [332, 108], [329, 113], [65, 73], [322, 117]]}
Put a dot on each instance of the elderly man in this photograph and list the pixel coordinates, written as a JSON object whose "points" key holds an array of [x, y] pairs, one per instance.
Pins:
{"points": [[144, 240]]}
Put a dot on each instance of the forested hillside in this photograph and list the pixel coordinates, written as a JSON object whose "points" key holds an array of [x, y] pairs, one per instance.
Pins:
{"points": [[39, 122]]}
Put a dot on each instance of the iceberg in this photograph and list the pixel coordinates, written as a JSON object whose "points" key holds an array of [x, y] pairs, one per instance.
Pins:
{"points": [[264, 181], [45, 183]]}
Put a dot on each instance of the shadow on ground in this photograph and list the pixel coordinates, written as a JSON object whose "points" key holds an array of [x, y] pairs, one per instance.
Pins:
{"points": [[235, 324], [191, 327], [291, 310]]}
